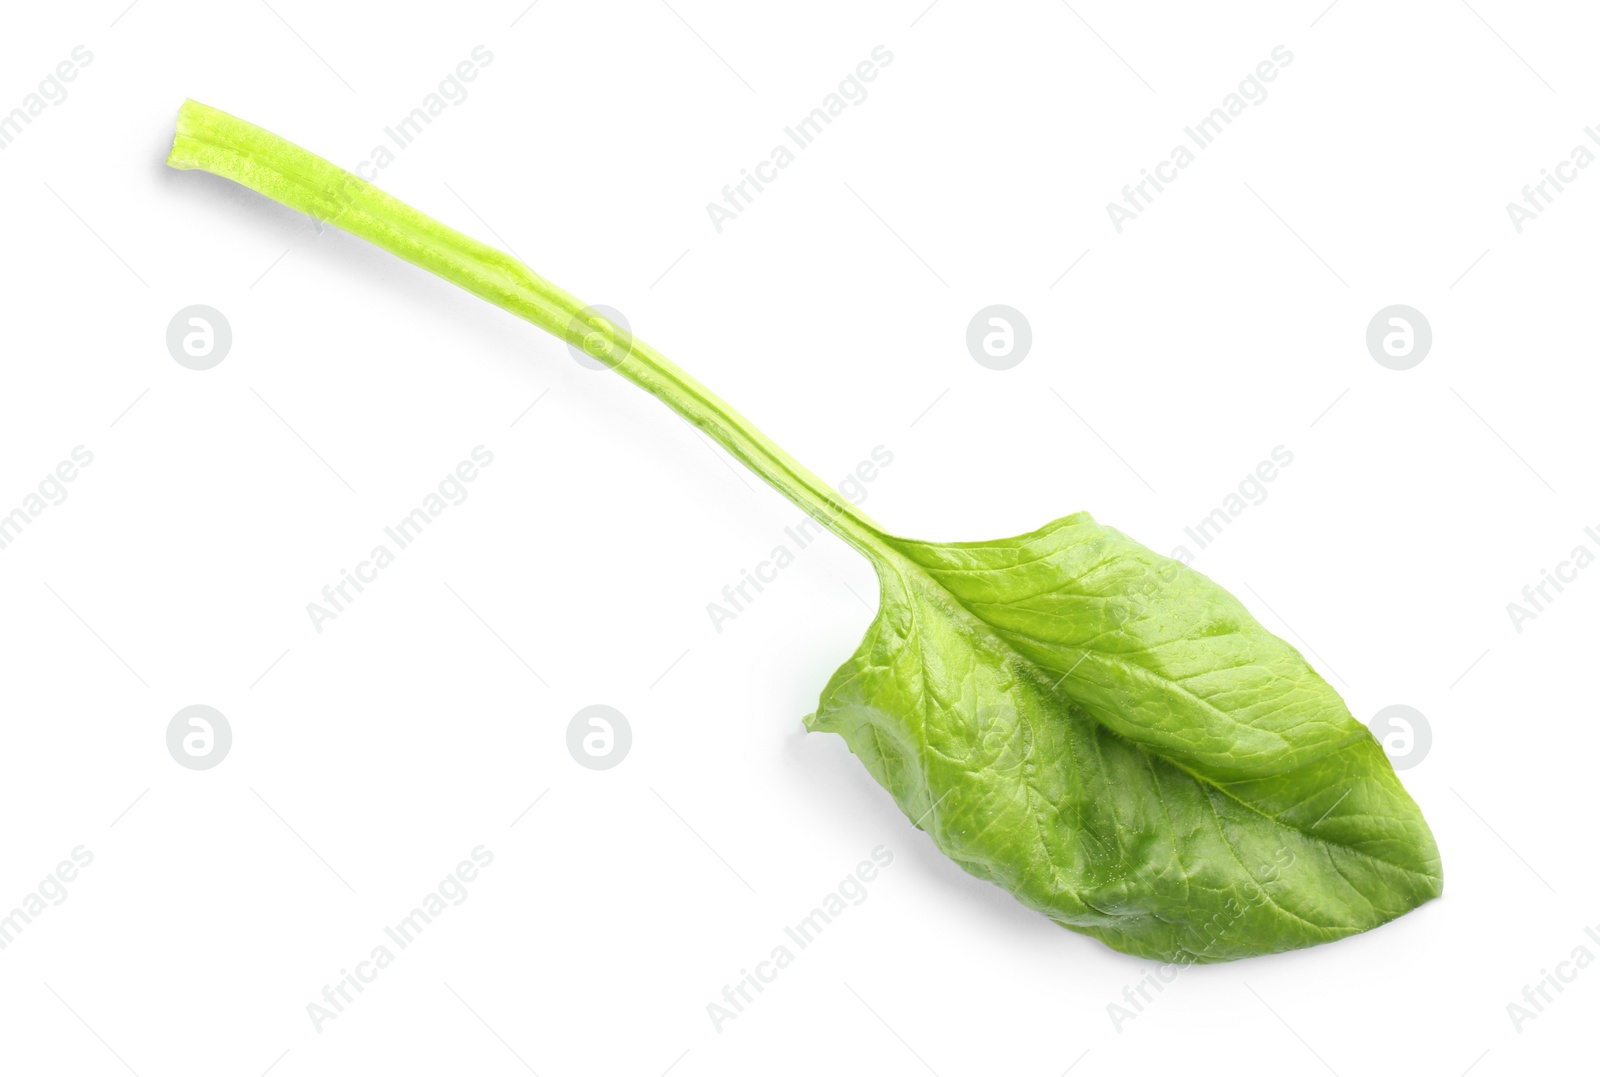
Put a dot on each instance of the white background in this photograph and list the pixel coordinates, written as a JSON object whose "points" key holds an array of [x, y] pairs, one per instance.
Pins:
{"points": [[369, 758]]}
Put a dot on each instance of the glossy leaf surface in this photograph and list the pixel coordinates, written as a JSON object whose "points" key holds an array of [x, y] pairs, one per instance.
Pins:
{"points": [[1114, 739]]}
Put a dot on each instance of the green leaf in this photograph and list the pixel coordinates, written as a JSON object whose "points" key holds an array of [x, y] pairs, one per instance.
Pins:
{"points": [[1113, 738], [1103, 732]]}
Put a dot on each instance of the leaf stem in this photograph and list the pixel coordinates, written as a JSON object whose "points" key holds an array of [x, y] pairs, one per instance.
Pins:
{"points": [[213, 141]]}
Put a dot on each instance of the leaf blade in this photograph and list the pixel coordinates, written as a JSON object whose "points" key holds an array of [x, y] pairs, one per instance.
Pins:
{"points": [[1114, 739]]}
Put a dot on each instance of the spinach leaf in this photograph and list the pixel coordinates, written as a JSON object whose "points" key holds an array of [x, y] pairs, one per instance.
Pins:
{"points": [[1114, 739], [1100, 730]]}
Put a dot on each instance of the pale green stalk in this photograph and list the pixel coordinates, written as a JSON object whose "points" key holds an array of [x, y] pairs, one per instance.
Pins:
{"points": [[212, 140]]}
